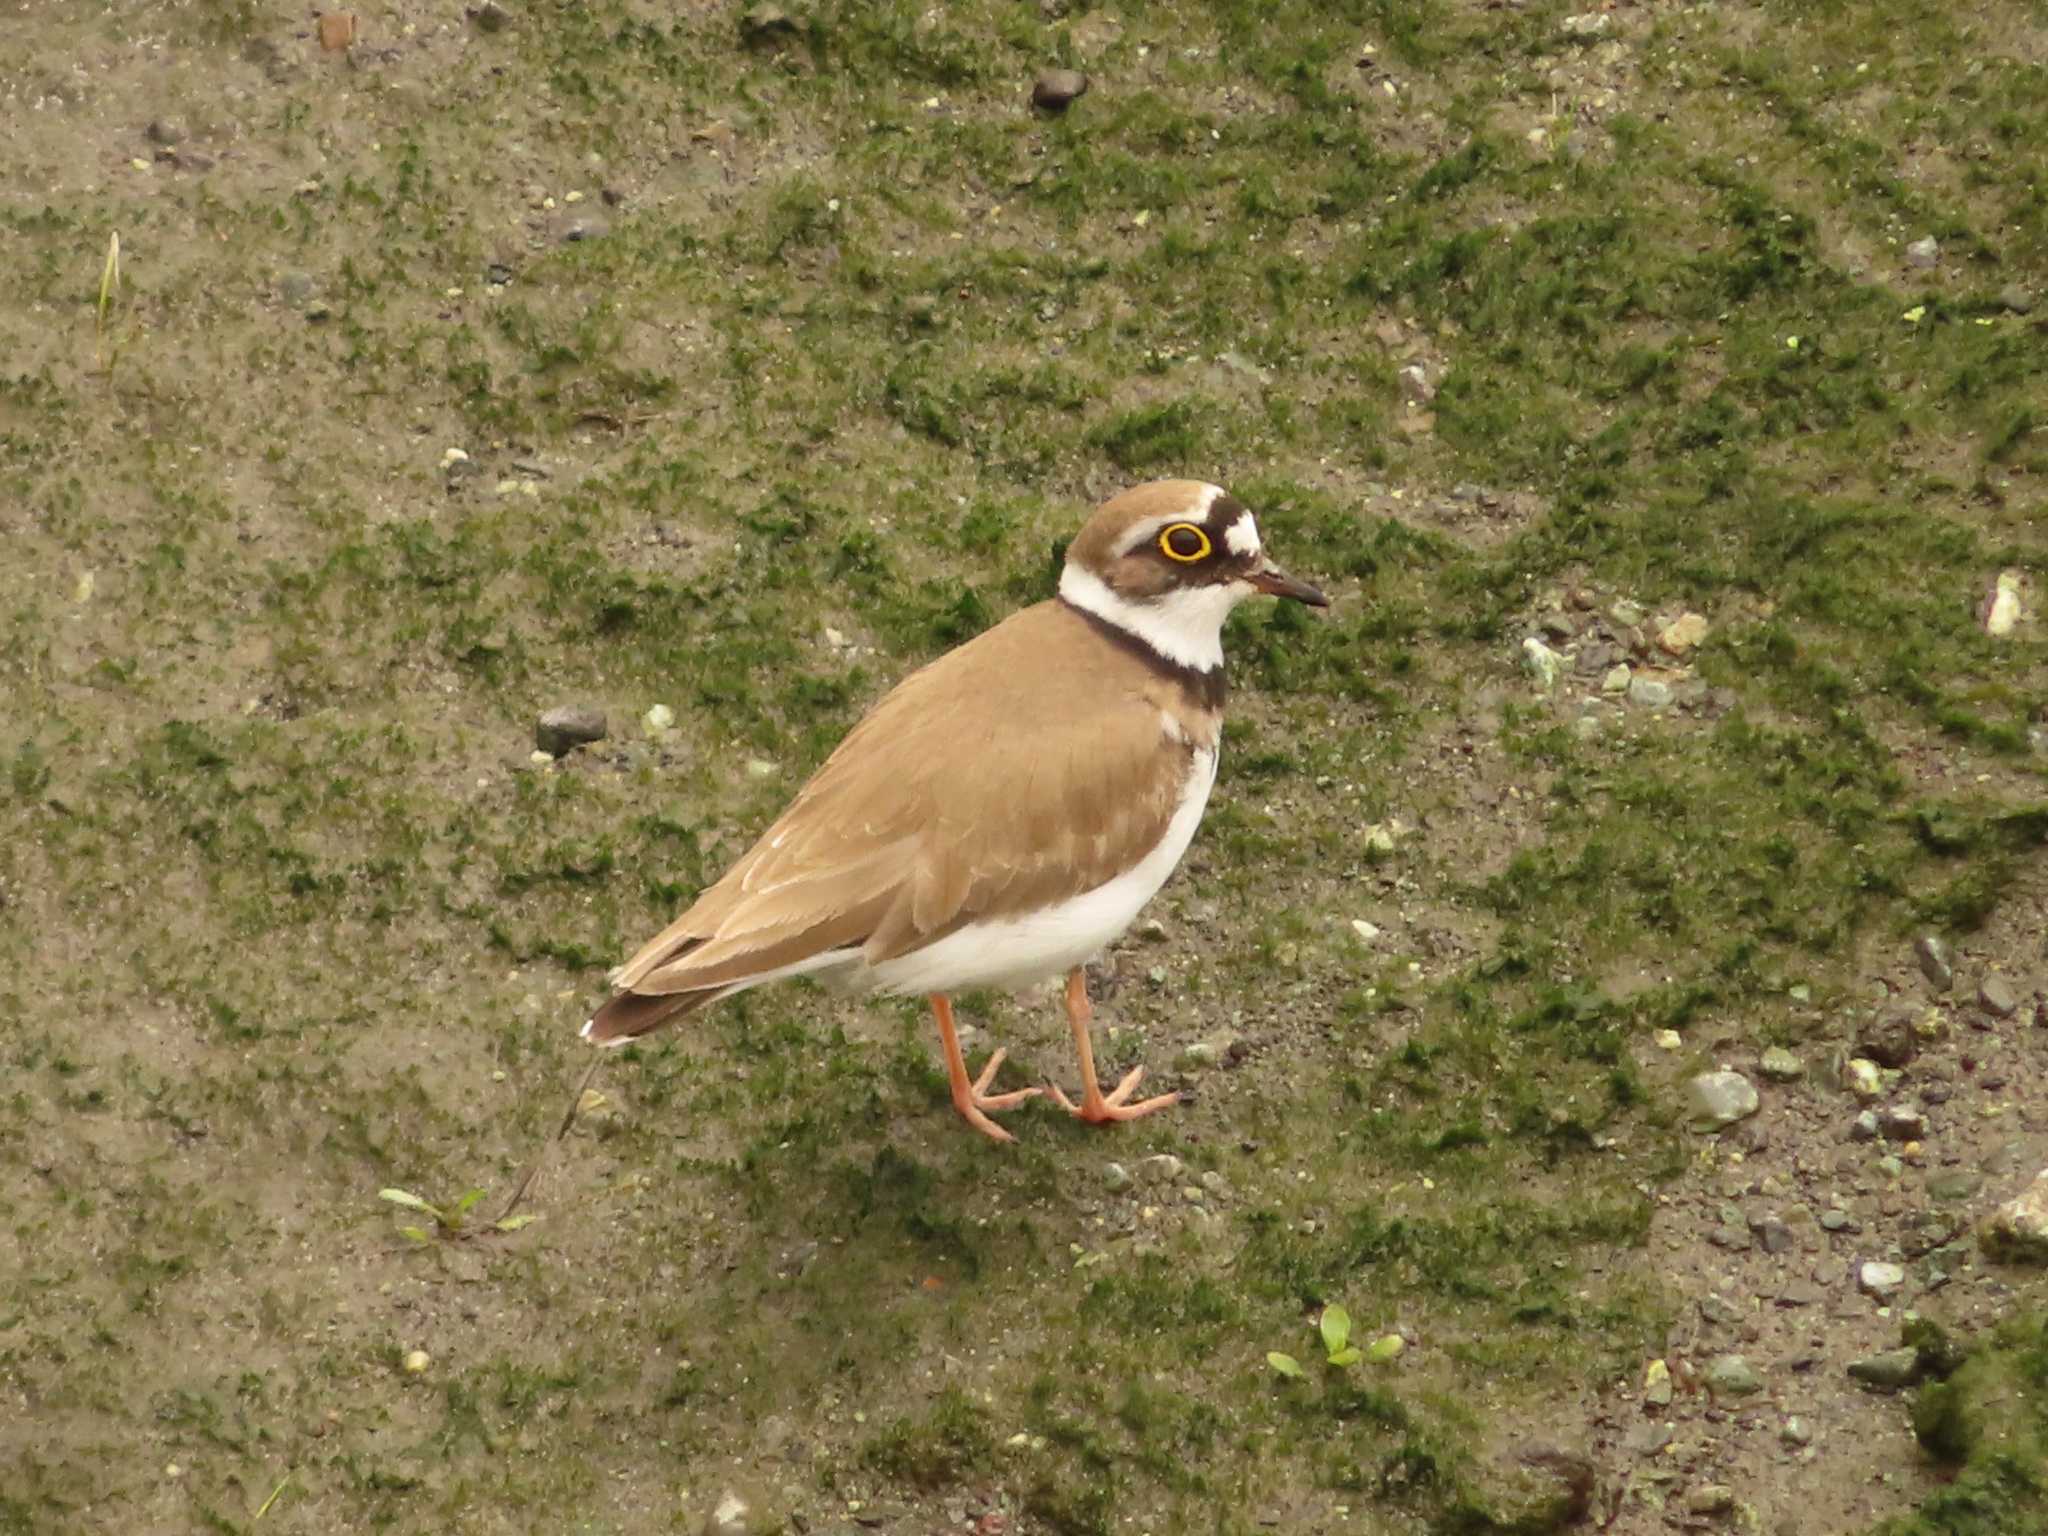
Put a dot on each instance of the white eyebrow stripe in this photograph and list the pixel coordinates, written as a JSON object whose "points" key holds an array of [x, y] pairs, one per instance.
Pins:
{"points": [[1197, 513], [1242, 536]]}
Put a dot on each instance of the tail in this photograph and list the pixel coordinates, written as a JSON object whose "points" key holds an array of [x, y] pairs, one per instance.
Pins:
{"points": [[629, 1015]]}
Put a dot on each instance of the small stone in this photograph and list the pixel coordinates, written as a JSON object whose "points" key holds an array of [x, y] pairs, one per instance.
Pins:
{"points": [[2016, 299], [1932, 954], [294, 289], [588, 228], [1366, 932], [1864, 1128], [1115, 1177], [337, 30], [1717, 1099], [1381, 836], [167, 131], [2017, 1232], [1417, 388], [563, 729], [1888, 1371], [1560, 627], [1542, 663], [1710, 1498], [1649, 693], [1801, 1293], [1668, 1039], [1214, 1184], [658, 721], [1795, 1431], [417, 1361], [491, 17], [1058, 89], [1683, 634], [1771, 1234], [767, 24], [1201, 1054], [737, 1512], [1617, 678], [1840, 1220], [1657, 1387], [1625, 613], [1995, 997], [1901, 1122], [1731, 1376], [1863, 1078], [1161, 1165], [1781, 1066], [1879, 1280], [1954, 1186], [1889, 1041], [1924, 252], [1716, 1308]]}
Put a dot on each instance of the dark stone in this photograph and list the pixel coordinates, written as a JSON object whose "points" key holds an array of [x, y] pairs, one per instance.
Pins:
{"points": [[1058, 89], [1889, 1041], [491, 17], [562, 730], [167, 131]]}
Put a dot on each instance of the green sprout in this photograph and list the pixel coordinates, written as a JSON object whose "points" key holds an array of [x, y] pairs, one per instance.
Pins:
{"points": [[452, 1222], [1338, 1350]]}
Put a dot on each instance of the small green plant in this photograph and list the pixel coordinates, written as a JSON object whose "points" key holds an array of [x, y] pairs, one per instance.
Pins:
{"points": [[452, 1222], [1336, 1330], [1338, 1350]]}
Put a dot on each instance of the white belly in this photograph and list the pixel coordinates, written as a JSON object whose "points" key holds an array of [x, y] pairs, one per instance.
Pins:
{"points": [[1015, 951]]}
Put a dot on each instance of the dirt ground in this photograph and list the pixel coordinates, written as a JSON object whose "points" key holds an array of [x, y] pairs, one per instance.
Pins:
{"points": [[360, 402]]}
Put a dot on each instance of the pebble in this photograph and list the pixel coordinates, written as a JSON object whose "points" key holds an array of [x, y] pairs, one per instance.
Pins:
{"points": [[1781, 1066], [1587, 24], [1416, 385], [1888, 1370], [2017, 1232], [578, 230], [166, 131], [1731, 1376], [2016, 299], [1617, 679], [1710, 1499], [417, 1361], [737, 1513], [1366, 931], [658, 720], [1838, 1220], [1933, 956], [1058, 89], [1542, 663], [1924, 252], [1202, 1053], [491, 17], [1995, 997], [1862, 1077], [1902, 1122], [1717, 1099], [1682, 634], [1161, 1165], [1657, 1388], [1795, 1431], [1889, 1041], [562, 729], [761, 768], [1381, 836], [1625, 613], [1716, 1308], [1880, 1280], [1115, 1177], [1772, 1234], [1649, 693], [1863, 1128]]}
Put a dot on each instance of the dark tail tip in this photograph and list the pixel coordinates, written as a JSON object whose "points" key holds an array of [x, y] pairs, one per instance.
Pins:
{"points": [[633, 1014]]}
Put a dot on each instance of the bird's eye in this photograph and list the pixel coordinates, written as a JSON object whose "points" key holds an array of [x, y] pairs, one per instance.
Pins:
{"points": [[1184, 542]]}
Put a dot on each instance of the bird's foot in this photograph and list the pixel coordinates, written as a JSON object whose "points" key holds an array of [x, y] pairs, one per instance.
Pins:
{"points": [[974, 1101], [1099, 1108]]}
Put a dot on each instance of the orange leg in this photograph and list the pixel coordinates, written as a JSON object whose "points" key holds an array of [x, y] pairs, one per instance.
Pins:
{"points": [[1096, 1107], [972, 1098]]}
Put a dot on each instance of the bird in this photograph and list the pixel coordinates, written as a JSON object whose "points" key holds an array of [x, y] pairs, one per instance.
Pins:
{"points": [[1005, 812]]}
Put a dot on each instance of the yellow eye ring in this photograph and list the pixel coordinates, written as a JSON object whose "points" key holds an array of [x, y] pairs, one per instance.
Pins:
{"points": [[1184, 542]]}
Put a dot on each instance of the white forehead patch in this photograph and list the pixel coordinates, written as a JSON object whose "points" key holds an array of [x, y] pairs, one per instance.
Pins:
{"points": [[1242, 536]]}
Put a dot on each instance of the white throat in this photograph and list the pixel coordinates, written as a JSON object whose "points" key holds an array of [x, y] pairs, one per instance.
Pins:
{"points": [[1184, 626]]}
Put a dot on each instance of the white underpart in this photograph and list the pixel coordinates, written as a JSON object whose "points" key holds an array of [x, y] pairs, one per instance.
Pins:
{"points": [[1141, 534], [1185, 626], [1016, 951], [1242, 536]]}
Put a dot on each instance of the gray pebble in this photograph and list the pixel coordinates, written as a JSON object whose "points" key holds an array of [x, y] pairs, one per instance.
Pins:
{"points": [[1932, 954], [1716, 1308], [1708, 1498], [1161, 1165], [1649, 693], [1995, 996], [1796, 1431], [1889, 1370], [1717, 1099], [1864, 1127], [1924, 252], [1058, 89], [1880, 1280], [561, 730], [1771, 1234], [167, 131], [1781, 1066], [1889, 1041], [1901, 1122], [2016, 299], [588, 228], [491, 17], [1731, 1376], [1115, 1177]]}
